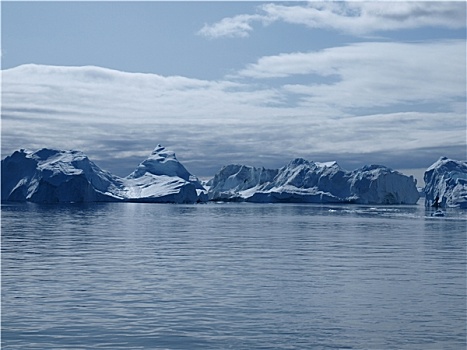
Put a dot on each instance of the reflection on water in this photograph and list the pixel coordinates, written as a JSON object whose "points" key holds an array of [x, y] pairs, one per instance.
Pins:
{"points": [[240, 276]]}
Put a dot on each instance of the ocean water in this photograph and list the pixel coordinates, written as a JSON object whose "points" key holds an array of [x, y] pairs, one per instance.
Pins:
{"points": [[232, 276]]}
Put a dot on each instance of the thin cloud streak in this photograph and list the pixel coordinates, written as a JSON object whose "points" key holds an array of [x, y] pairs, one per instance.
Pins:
{"points": [[355, 18], [371, 74], [233, 27]]}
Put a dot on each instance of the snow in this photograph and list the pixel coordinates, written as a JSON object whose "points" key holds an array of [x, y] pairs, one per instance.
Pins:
{"points": [[446, 179], [310, 182], [51, 176], [162, 178], [162, 162]]}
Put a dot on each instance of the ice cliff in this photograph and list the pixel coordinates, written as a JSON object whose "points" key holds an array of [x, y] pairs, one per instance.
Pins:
{"points": [[52, 176], [313, 182], [447, 180]]}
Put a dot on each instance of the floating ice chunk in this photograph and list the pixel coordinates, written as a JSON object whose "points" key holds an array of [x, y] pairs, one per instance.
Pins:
{"points": [[446, 179]]}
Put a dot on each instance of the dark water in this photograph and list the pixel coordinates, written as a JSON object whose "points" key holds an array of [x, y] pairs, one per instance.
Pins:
{"points": [[232, 276]]}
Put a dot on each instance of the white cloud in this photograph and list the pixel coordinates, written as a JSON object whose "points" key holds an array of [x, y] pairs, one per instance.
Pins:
{"points": [[82, 89], [116, 117], [356, 18], [372, 73], [105, 112], [238, 26]]}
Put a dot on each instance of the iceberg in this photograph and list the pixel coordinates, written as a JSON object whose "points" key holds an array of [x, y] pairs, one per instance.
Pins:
{"points": [[446, 179], [51, 176], [303, 181], [55, 176], [235, 182], [162, 178]]}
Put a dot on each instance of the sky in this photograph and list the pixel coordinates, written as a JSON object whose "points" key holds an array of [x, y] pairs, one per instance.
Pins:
{"points": [[256, 83]]}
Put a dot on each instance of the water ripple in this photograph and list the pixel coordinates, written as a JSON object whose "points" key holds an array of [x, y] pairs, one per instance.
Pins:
{"points": [[232, 276]]}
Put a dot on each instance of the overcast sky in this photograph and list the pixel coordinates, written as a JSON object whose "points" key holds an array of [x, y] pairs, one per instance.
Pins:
{"points": [[256, 83]]}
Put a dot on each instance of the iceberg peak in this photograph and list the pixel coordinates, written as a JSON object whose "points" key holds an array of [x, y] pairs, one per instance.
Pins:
{"points": [[159, 149], [161, 162]]}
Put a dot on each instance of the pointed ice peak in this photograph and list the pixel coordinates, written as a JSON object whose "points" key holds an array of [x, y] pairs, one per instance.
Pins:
{"points": [[161, 162], [161, 154], [159, 148]]}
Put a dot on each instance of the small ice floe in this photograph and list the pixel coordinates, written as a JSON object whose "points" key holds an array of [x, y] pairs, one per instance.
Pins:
{"points": [[438, 213]]}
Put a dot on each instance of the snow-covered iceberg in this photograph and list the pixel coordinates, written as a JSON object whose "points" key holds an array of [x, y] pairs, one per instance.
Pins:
{"points": [[447, 180], [49, 175], [304, 181], [162, 178], [52, 176], [237, 182]]}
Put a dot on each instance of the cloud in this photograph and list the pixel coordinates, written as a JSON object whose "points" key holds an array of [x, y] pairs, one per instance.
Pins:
{"points": [[234, 27], [109, 113], [371, 74], [117, 118], [356, 18]]}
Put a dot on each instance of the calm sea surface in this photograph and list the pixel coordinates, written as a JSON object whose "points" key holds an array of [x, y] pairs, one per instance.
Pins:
{"points": [[232, 276]]}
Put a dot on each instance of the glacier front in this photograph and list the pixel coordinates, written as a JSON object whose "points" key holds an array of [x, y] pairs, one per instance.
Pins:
{"points": [[54, 176], [303, 181], [446, 183]]}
